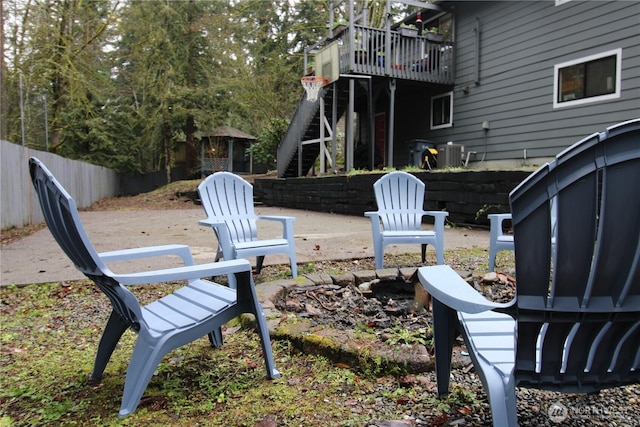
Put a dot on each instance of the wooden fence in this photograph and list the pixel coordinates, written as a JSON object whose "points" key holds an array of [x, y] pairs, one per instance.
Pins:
{"points": [[18, 203]]}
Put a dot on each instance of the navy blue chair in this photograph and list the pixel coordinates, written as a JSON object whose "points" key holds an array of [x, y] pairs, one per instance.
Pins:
{"points": [[574, 324]]}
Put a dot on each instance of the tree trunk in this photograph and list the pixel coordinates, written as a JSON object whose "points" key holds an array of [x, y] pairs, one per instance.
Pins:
{"points": [[190, 148], [166, 136]]}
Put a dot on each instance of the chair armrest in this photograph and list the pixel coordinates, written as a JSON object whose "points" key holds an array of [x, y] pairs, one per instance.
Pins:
{"points": [[445, 285], [223, 235], [438, 222], [182, 251], [374, 216], [499, 216], [189, 272], [280, 218], [215, 223], [287, 224], [437, 214], [495, 221]]}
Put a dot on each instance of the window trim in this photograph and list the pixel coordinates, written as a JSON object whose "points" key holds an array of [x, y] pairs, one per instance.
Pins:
{"points": [[443, 125], [556, 69]]}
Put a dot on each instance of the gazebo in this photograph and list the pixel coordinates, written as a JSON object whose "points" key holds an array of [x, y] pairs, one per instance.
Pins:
{"points": [[225, 149]]}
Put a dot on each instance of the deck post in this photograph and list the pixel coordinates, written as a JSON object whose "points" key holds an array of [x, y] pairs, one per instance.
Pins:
{"points": [[392, 111], [350, 151]]}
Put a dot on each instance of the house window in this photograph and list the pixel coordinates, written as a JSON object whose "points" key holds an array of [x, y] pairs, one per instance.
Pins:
{"points": [[442, 111], [591, 79]]}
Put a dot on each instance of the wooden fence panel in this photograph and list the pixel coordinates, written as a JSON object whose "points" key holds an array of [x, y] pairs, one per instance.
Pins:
{"points": [[19, 206]]}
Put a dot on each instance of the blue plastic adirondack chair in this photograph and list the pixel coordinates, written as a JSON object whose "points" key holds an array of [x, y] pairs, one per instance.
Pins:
{"points": [[398, 220], [498, 241], [574, 325], [228, 203], [200, 308]]}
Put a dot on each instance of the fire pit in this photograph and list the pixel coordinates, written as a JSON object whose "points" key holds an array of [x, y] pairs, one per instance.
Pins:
{"points": [[379, 324], [376, 304]]}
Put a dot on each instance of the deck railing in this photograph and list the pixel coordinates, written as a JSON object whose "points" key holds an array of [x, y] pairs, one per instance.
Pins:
{"points": [[401, 54]]}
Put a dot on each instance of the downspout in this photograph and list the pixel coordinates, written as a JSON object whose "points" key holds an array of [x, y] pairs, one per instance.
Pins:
{"points": [[476, 30]]}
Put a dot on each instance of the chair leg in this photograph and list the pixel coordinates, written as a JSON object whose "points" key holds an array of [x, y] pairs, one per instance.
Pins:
{"points": [[445, 330], [215, 338], [265, 343], [259, 261], [145, 359], [424, 253], [379, 255], [492, 258], [440, 253], [502, 397], [294, 265], [112, 333], [248, 291]]}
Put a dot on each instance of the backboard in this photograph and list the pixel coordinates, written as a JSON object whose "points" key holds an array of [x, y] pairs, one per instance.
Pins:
{"points": [[327, 62]]}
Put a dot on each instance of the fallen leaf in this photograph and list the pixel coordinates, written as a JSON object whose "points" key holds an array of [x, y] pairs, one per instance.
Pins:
{"points": [[465, 410]]}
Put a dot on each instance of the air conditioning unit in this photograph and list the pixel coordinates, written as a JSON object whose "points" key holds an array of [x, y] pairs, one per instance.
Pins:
{"points": [[449, 155]]}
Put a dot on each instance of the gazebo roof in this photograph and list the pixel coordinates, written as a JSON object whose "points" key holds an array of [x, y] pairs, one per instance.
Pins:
{"points": [[228, 132]]}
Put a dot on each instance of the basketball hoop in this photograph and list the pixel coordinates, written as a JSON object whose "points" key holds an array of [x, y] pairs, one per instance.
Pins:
{"points": [[313, 84]]}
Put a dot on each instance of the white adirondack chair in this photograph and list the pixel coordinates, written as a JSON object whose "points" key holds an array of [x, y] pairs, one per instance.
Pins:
{"points": [[504, 242], [200, 308], [498, 241], [228, 203], [574, 325], [398, 220]]}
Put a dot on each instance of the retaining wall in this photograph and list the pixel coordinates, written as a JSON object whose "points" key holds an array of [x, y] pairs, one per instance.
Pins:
{"points": [[467, 195]]}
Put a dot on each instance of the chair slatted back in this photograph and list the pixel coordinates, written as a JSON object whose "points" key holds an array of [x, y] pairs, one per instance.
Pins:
{"points": [[400, 199], [228, 197], [62, 218], [579, 305]]}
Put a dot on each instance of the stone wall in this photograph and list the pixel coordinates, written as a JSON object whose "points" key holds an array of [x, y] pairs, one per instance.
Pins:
{"points": [[468, 195]]}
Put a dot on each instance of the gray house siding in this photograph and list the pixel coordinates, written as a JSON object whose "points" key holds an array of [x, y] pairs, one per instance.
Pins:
{"points": [[520, 43]]}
